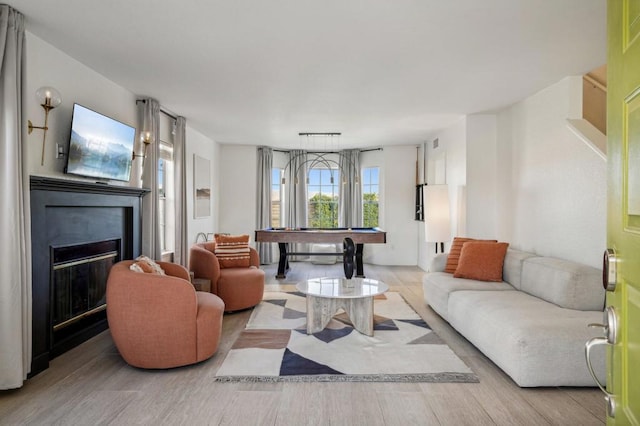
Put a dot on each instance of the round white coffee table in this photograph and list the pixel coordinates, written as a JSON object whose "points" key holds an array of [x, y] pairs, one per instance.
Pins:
{"points": [[326, 296]]}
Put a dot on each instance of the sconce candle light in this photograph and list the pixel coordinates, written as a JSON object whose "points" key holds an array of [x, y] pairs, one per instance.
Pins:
{"points": [[145, 137], [49, 98]]}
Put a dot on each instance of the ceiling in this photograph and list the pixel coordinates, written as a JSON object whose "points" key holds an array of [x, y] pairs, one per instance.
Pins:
{"points": [[381, 72]]}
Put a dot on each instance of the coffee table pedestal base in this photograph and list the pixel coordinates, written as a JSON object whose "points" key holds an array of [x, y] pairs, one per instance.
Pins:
{"points": [[320, 310]]}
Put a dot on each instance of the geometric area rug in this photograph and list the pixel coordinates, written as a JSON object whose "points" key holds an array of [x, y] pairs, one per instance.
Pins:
{"points": [[275, 347]]}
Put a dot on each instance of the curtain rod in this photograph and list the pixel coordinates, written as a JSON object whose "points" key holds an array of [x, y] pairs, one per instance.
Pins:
{"points": [[286, 151], [162, 109], [168, 113]]}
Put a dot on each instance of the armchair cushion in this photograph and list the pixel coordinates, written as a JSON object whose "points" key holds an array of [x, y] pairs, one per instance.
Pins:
{"points": [[233, 251]]}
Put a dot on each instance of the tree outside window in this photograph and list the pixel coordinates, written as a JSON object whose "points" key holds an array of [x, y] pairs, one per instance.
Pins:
{"points": [[370, 196], [323, 198]]}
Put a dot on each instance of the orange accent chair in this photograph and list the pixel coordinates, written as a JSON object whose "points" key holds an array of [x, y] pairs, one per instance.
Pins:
{"points": [[239, 288], [160, 321]]}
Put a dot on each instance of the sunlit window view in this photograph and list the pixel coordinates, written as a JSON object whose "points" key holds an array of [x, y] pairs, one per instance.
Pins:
{"points": [[370, 196], [322, 190], [276, 198], [166, 198]]}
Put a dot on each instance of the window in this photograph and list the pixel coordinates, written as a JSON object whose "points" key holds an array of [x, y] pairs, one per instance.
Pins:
{"points": [[166, 196], [370, 196], [276, 198], [322, 190]]}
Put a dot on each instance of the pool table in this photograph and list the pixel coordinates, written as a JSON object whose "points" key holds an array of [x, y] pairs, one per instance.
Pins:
{"points": [[353, 240]]}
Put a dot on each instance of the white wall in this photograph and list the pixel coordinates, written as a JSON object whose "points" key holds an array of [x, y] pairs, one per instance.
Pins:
{"points": [[238, 178], [528, 179], [482, 166], [447, 164], [198, 144], [556, 183], [48, 66], [397, 193]]}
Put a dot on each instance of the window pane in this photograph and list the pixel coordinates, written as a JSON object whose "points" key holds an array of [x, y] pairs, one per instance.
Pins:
{"points": [[276, 198], [325, 177], [366, 175], [314, 176], [323, 198], [166, 195], [370, 196]]}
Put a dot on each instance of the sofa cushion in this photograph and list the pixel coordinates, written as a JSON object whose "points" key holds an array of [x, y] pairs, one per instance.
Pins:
{"points": [[437, 287], [438, 263], [454, 252], [512, 269], [481, 261], [535, 342], [565, 283]]}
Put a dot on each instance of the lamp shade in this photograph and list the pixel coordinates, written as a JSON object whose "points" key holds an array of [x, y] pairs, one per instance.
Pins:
{"points": [[437, 220], [48, 96]]}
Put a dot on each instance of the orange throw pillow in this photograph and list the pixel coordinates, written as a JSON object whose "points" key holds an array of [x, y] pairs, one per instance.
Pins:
{"points": [[454, 252], [233, 251], [481, 261]]}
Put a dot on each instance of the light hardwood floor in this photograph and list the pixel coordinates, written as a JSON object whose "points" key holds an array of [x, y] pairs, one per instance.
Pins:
{"points": [[92, 385]]}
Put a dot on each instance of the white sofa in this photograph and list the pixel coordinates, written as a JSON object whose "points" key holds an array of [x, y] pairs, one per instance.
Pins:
{"points": [[533, 325]]}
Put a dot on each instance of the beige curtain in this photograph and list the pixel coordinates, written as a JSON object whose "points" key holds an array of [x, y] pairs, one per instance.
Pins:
{"points": [[263, 202], [350, 190], [180, 169], [296, 197], [149, 110], [15, 251]]}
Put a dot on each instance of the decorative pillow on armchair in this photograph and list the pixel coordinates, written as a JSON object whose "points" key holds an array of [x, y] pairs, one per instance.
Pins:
{"points": [[146, 265], [481, 261], [233, 251]]}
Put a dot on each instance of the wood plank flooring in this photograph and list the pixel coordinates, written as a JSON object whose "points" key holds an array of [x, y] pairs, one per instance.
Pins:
{"points": [[91, 385]]}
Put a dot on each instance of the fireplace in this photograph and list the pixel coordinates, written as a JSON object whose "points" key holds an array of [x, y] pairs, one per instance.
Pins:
{"points": [[79, 285], [78, 231]]}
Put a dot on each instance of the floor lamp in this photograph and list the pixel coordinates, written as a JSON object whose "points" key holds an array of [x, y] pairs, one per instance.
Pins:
{"points": [[437, 217]]}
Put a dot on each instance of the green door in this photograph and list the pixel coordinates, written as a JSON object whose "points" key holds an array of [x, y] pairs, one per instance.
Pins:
{"points": [[623, 216]]}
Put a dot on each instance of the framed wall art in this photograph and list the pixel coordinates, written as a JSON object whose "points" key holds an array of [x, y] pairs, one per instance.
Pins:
{"points": [[202, 187]]}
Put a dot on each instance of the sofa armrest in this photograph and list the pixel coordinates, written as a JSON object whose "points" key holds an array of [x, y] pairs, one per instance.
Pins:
{"points": [[438, 263]]}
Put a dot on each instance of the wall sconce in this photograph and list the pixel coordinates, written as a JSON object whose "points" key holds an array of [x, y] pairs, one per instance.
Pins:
{"points": [[437, 220], [49, 98], [145, 137]]}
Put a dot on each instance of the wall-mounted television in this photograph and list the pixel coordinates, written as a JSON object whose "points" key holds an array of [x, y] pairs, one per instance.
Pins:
{"points": [[99, 147]]}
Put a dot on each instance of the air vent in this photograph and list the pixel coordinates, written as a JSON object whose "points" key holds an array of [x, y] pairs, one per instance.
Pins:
{"points": [[435, 143]]}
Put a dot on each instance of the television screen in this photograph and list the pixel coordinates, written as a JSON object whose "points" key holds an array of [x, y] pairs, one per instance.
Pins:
{"points": [[99, 146]]}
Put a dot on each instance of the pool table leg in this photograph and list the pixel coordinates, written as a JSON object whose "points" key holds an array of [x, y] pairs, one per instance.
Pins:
{"points": [[359, 266], [283, 263]]}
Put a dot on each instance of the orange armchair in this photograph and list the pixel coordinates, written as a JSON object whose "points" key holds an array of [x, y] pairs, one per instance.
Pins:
{"points": [[160, 321], [239, 288]]}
